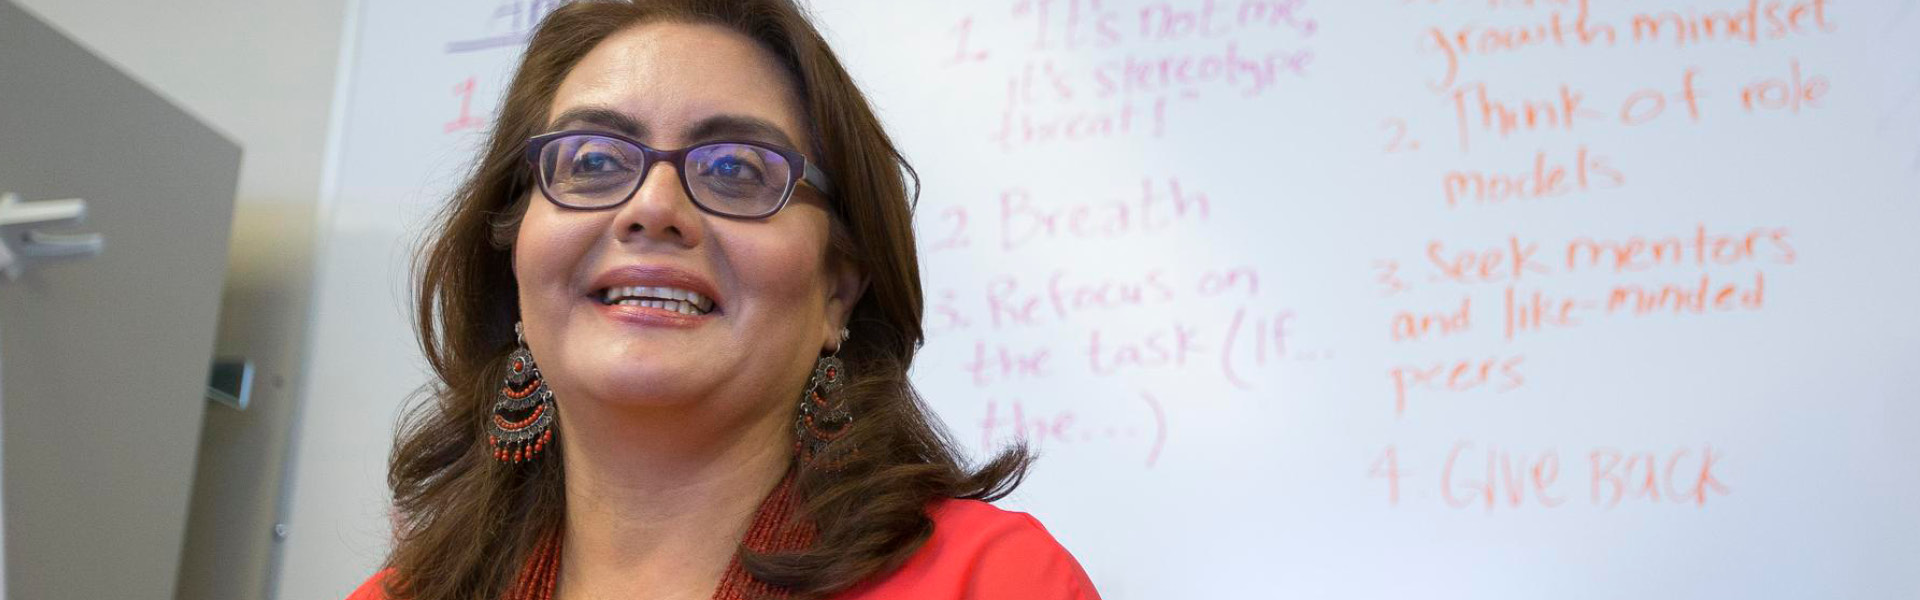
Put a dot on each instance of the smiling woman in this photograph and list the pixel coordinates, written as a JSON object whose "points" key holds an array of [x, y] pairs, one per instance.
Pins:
{"points": [[671, 314]]}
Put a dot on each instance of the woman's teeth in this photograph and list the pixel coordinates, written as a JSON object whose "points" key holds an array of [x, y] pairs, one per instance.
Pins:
{"points": [[674, 299], [673, 305]]}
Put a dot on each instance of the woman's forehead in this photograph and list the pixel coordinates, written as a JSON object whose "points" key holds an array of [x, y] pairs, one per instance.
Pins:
{"points": [[673, 80]]}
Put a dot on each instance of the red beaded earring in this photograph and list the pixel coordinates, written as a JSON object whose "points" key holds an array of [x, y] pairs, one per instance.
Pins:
{"points": [[521, 423], [824, 415]]}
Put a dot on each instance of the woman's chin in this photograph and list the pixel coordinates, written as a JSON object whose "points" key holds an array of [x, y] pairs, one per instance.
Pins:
{"points": [[617, 391]]}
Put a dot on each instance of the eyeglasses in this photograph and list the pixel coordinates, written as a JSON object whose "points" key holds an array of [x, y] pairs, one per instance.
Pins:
{"points": [[593, 170]]}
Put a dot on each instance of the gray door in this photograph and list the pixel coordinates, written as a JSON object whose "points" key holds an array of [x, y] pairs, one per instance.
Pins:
{"points": [[104, 360]]}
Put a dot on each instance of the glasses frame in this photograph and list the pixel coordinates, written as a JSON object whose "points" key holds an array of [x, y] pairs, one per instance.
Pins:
{"points": [[806, 172]]}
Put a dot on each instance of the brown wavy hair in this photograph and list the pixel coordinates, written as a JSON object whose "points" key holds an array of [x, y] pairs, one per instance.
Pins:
{"points": [[467, 523]]}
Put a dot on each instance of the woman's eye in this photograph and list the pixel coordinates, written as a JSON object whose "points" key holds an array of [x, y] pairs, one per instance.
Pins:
{"points": [[732, 167], [596, 162]]}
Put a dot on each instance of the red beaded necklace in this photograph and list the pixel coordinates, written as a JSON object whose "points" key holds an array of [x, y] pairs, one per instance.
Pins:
{"points": [[770, 532]]}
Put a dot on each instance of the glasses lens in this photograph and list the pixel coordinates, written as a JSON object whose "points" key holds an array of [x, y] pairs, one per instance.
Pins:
{"points": [[738, 179], [589, 171]]}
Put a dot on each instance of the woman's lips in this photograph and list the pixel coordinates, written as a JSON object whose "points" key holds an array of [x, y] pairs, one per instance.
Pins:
{"points": [[651, 280]]}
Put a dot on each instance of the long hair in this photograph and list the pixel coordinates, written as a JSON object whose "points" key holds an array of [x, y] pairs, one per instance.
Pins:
{"points": [[468, 523]]}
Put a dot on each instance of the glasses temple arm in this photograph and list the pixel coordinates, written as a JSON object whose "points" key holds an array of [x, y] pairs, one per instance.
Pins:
{"points": [[816, 178]]}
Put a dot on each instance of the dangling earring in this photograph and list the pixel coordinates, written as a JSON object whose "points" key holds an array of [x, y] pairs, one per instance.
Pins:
{"points": [[824, 415], [522, 420]]}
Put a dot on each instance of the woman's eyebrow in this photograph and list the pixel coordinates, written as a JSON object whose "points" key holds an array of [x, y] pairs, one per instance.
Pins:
{"points": [[740, 127], [602, 117]]}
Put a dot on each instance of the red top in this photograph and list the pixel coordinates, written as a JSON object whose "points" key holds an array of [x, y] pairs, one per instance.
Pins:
{"points": [[977, 552]]}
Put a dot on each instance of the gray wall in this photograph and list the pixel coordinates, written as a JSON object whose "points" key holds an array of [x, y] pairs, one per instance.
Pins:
{"points": [[262, 73]]}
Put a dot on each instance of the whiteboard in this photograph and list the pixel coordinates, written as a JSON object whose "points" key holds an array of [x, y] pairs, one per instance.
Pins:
{"points": [[1439, 299]]}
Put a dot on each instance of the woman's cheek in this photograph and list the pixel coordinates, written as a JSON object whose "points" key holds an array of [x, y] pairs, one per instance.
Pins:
{"points": [[771, 264], [546, 252]]}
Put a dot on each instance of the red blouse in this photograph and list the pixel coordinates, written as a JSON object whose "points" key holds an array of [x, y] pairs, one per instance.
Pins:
{"points": [[977, 552]]}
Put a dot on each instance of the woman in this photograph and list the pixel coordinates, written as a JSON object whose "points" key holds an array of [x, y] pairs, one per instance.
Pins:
{"points": [[671, 315]]}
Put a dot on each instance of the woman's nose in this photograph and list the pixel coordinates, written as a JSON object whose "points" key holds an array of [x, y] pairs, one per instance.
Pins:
{"points": [[659, 211]]}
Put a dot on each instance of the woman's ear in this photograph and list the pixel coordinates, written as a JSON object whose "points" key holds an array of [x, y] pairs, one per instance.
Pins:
{"points": [[846, 284]]}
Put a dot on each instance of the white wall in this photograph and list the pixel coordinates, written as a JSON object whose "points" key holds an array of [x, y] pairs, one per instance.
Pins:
{"points": [[263, 74]]}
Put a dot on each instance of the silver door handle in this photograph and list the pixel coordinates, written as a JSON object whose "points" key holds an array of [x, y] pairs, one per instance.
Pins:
{"points": [[18, 242], [44, 212], [41, 243], [231, 382]]}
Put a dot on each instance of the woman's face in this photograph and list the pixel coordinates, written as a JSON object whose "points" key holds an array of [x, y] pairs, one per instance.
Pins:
{"points": [[777, 301]]}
